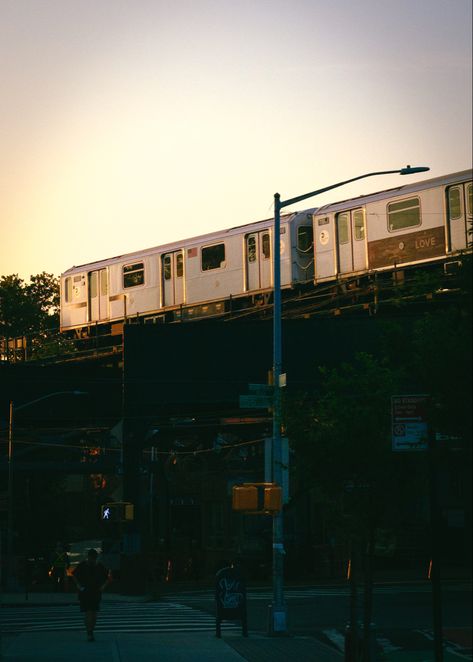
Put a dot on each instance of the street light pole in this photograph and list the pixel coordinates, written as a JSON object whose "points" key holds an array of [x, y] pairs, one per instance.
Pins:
{"points": [[10, 579], [278, 610]]}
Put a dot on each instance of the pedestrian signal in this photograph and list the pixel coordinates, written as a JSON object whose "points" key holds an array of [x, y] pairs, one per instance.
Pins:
{"points": [[117, 512]]}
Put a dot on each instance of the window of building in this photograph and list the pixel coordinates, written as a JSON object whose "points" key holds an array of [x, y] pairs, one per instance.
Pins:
{"points": [[213, 257], [454, 203], [343, 228], [266, 246], [359, 223], [305, 238], [133, 274], [68, 289], [404, 214]]}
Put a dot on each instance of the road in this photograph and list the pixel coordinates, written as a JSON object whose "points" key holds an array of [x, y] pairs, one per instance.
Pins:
{"points": [[402, 617], [402, 613]]}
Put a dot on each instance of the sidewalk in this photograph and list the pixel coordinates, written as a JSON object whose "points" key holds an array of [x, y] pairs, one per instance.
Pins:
{"points": [[184, 647]]}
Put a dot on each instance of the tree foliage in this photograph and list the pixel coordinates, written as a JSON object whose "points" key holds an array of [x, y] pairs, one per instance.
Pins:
{"points": [[28, 308], [342, 442]]}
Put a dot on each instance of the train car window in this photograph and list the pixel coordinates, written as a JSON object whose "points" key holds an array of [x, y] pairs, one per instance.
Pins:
{"points": [[404, 214], [266, 246], [68, 289], [179, 265], [133, 274], [359, 223], [167, 267], [93, 284], [103, 282], [213, 256], [251, 249], [305, 238], [343, 227], [469, 197], [454, 203]]}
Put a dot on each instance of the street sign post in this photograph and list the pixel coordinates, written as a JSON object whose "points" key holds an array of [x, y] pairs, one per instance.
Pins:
{"points": [[409, 423]]}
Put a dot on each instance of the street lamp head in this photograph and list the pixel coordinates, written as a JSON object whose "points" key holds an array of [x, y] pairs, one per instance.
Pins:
{"points": [[409, 170]]}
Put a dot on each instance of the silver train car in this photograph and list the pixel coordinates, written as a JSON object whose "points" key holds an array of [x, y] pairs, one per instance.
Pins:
{"points": [[199, 274], [412, 224]]}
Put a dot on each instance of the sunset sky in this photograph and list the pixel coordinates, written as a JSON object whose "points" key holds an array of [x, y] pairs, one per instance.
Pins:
{"points": [[127, 124]]}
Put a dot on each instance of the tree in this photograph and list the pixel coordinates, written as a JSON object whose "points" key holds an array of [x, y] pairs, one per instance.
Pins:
{"points": [[29, 310]]}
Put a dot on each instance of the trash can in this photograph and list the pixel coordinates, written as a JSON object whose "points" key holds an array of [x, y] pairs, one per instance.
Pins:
{"points": [[230, 599]]}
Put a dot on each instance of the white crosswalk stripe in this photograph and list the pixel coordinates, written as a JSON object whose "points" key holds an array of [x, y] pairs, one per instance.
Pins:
{"points": [[119, 617], [299, 593]]}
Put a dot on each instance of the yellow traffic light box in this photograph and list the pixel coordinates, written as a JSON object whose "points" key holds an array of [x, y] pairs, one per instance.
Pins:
{"points": [[257, 498], [245, 497], [273, 498]]}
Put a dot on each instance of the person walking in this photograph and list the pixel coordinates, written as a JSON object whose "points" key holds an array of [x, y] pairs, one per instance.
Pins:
{"points": [[91, 579]]}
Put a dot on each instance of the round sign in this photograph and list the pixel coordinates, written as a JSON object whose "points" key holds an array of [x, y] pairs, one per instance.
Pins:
{"points": [[324, 237]]}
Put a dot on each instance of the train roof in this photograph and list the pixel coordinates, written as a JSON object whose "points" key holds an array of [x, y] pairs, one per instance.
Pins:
{"points": [[188, 242]]}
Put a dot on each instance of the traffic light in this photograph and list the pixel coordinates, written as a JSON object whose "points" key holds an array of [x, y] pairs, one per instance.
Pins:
{"points": [[257, 498], [119, 511], [245, 497], [273, 498]]}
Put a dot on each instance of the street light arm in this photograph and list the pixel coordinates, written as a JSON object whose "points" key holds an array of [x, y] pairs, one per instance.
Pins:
{"points": [[403, 171]]}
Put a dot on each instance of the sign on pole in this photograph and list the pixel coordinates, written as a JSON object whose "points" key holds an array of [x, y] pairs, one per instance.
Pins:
{"points": [[255, 401], [409, 422]]}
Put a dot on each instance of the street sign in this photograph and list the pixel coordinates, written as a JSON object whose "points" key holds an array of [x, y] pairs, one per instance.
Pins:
{"points": [[255, 401], [409, 422]]}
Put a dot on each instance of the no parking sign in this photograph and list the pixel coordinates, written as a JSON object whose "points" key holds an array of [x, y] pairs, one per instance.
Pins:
{"points": [[409, 422]]}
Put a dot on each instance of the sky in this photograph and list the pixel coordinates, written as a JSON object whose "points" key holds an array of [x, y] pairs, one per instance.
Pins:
{"points": [[126, 124]]}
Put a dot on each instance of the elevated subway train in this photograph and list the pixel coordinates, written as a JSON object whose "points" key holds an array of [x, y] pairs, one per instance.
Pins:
{"points": [[412, 224]]}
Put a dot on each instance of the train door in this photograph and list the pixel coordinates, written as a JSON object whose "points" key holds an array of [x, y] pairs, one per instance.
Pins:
{"points": [[351, 241], [358, 233], [173, 278], [459, 215], [345, 255], [98, 295], [258, 260]]}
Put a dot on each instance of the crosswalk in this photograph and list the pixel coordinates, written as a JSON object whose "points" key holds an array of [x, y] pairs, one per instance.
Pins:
{"points": [[291, 593], [113, 617]]}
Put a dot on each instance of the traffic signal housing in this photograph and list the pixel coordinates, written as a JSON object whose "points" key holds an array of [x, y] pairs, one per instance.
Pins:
{"points": [[257, 498], [120, 511]]}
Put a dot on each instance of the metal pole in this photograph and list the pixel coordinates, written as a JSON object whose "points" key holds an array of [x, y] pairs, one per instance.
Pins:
{"points": [[435, 552], [278, 612], [10, 564], [278, 619]]}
